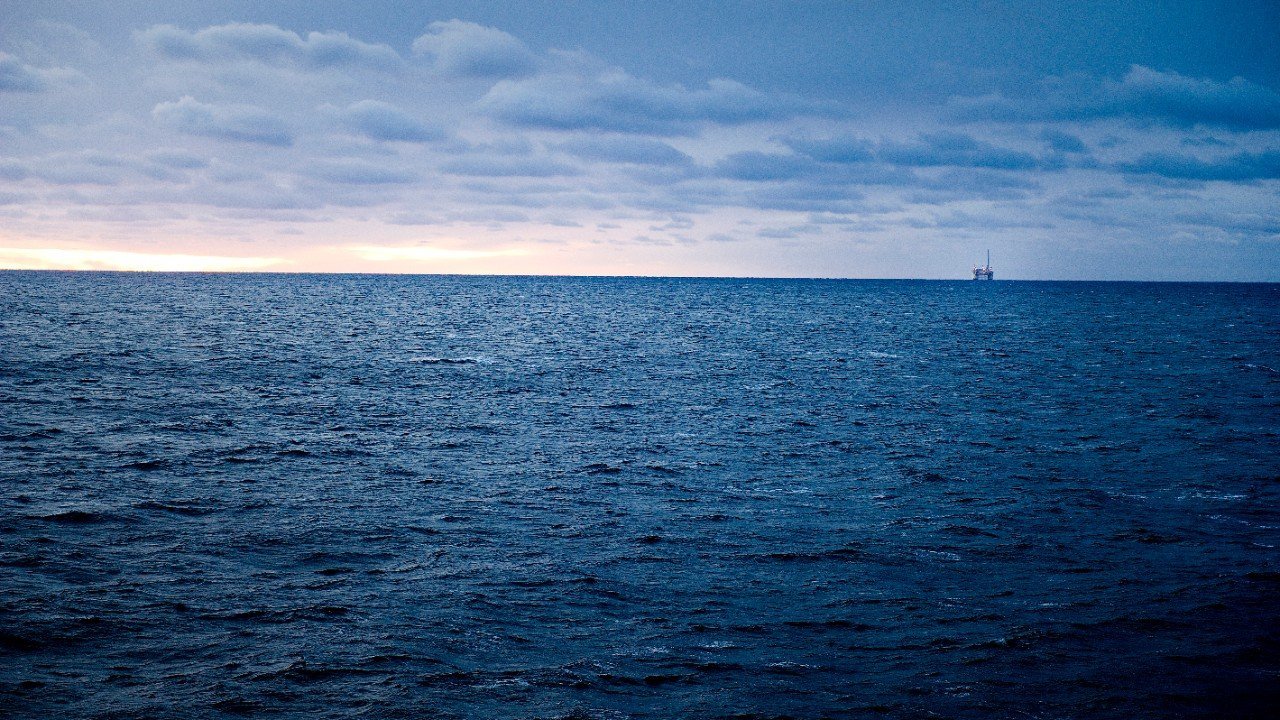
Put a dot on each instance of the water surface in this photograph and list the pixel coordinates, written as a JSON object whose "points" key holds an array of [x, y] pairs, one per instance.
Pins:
{"points": [[448, 497]]}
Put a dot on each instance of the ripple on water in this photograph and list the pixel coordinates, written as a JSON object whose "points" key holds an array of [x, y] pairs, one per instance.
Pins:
{"points": [[514, 498]]}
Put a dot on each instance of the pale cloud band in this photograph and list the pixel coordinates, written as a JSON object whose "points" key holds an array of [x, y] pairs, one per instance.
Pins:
{"points": [[92, 259], [375, 258], [424, 253]]}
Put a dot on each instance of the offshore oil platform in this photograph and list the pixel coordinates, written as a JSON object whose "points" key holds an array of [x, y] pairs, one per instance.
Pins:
{"points": [[985, 272]]}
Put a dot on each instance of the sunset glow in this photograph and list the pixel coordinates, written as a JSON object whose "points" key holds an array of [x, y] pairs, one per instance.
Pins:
{"points": [[88, 259]]}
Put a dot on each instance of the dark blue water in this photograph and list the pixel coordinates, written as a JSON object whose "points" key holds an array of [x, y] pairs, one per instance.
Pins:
{"points": [[439, 497]]}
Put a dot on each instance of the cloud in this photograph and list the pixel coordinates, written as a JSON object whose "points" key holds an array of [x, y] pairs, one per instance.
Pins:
{"points": [[257, 196], [59, 172], [490, 216], [1063, 142], [180, 159], [90, 167], [974, 183], [939, 149], [359, 172], [954, 149], [384, 121], [806, 198], [1239, 167], [508, 167], [1205, 141], [629, 150], [962, 220], [776, 181], [13, 170], [580, 97], [789, 232], [456, 48], [841, 149], [267, 44], [1142, 94], [816, 176], [17, 76], [245, 123], [411, 218], [1237, 103], [759, 166], [1236, 223]]}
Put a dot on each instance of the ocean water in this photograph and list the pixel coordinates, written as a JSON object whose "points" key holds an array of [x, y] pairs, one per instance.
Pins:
{"points": [[453, 497]]}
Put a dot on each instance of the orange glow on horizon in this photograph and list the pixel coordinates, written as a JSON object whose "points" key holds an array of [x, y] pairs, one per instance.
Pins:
{"points": [[349, 258]]}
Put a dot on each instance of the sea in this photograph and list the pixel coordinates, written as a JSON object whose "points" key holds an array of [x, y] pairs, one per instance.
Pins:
{"points": [[357, 496]]}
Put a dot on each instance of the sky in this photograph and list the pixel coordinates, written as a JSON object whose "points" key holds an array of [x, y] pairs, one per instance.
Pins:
{"points": [[1076, 141]]}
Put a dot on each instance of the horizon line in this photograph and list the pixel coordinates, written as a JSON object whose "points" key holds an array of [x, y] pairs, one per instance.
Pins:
{"points": [[625, 277]]}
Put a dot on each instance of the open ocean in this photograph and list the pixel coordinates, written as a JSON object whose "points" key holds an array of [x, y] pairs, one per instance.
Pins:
{"points": [[305, 496]]}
